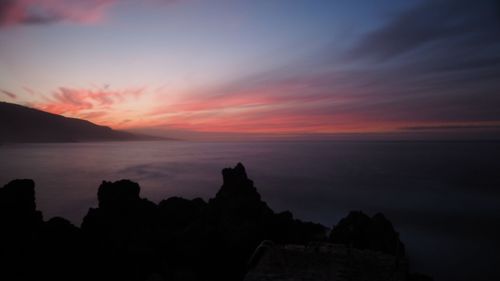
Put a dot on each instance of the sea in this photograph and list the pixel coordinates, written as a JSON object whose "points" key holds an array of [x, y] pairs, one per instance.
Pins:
{"points": [[442, 197]]}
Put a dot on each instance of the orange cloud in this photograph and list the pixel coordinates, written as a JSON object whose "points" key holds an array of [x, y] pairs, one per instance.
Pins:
{"points": [[274, 121], [254, 98], [98, 105], [271, 110], [288, 106]]}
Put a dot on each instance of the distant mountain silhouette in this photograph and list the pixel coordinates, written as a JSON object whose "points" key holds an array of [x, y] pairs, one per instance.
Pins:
{"points": [[23, 124]]}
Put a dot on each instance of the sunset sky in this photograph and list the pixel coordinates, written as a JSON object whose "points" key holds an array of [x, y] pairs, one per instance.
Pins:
{"points": [[288, 68]]}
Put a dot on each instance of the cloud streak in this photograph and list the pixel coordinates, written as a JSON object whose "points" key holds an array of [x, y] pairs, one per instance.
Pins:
{"points": [[35, 12], [431, 23], [99, 105], [9, 94], [453, 127], [435, 63], [434, 66]]}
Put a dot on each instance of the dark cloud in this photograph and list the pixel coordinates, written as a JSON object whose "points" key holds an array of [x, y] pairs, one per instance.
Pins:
{"points": [[451, 127], [440, 22], [15, 12], [41, 19], [5, 7], [9, 94], [437, 62]]}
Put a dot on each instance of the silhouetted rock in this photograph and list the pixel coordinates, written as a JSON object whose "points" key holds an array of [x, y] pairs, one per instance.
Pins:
{"points": [[238, 194], [363, 232], [419, 277], [238, 220], [18, 214], [118, 195], [241, 220], [60, 251], [19, 227], [184, 244], [131, 238], [177, 213], [122, 229], [288, 230], [59, 230], [17, 203]]}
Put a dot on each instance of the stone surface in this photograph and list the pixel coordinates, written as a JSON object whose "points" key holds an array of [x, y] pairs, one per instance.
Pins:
{"points": [[324, 262]]}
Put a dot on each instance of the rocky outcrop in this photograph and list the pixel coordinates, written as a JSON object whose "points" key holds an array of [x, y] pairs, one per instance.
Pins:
{"points": [[362, 232], [19, 226], [239, 207], [131, 238], [122, 229], [238, 220], [18, 212], [31, 249]]}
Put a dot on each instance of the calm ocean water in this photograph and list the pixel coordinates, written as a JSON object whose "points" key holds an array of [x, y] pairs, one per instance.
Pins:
{"points": [[443, 197]]}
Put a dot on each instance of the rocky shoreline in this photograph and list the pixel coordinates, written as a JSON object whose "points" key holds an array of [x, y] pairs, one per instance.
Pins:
{"points": [[131, 238]]}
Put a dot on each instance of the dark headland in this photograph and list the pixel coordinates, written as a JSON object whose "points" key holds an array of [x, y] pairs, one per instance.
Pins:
{"points": [[233, 236], [23, 124]]}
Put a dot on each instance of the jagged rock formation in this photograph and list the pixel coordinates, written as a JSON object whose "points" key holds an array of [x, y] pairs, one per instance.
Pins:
{"points": [[131, 238], [18, 212], [122, 229], [362, 232], [241, 220], [31, 249], [19, 222]]}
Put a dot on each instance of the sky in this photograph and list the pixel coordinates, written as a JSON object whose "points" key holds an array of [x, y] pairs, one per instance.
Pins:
{"points": [[261, 68]]}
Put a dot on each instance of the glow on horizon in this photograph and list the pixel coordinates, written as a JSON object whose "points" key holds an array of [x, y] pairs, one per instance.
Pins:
{"points": [[260, 67]]}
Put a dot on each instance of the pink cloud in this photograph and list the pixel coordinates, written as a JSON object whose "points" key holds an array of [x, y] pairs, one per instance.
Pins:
{"points": [[284, 93], [284, 106], [274, 121], [97, 104], [14, 12]]}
